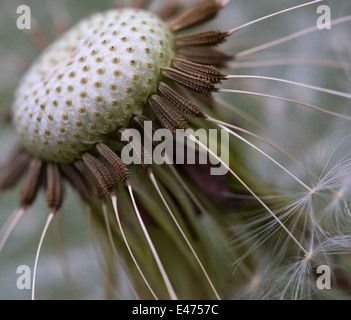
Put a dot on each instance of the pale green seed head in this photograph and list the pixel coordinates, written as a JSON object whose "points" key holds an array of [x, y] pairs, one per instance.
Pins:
{"points": [[90, 82]]}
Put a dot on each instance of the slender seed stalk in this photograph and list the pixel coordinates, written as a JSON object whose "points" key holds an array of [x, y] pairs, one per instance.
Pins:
{"points": [[265, 141], [273, 15], [114, 202], [257, 94], [262, 152], [192, 138], [329, 63], [153, 180], [333, 92], [162, 270], [293, 36], [46, 227], [10, 224], [114, 249]]}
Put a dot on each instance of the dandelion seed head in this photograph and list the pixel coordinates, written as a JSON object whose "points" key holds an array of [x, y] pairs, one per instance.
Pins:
{"points": [[90, 82], [87, 69]]}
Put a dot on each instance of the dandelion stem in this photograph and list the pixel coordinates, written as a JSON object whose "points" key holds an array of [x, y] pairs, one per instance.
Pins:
{"points": [[198, 203], [190, 193], [114, 202], [288, 38], [257, 94], [100, 258], [153, 180], [10, 225], [192, 138], [152, 247], [224, 125], [244, 115], [195, 200], [333, 92], [290, 61], [114, 249], [213, 223], [272, 15], [46, 227]]}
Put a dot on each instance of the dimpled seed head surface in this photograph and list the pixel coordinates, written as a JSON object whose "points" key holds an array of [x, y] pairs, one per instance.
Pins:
{"points": [[90, 82]]}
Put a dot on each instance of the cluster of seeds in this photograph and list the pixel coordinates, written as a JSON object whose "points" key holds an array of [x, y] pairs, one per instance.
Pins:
{"points": [[90, 82]]}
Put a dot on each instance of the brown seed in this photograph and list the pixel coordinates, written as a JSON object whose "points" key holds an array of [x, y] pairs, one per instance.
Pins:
{"points": [[14, 168], [138, 122], [209, 73], [54, 192], [76, 180], [6, 116], [188, 81], [140, 3], [141, 154], [169, 118], [181, 103], [206, 38], [169, 9], [31, 183], [115, 161], [86, 172], [102, 173], [198, 13], [204, 55]]}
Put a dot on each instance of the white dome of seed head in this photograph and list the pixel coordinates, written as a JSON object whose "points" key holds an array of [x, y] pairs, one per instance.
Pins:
{"points": [[90, 82]]}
